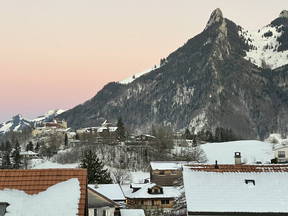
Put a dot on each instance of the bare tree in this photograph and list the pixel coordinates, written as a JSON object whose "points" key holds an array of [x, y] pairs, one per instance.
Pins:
{"points": [[120, 176]]}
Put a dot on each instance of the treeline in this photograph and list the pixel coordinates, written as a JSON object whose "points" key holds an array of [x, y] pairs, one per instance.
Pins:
{"points": [[220, 135]]}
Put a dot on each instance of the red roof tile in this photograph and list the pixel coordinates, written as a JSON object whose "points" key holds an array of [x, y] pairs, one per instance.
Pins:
{"points": [[239, 168]]}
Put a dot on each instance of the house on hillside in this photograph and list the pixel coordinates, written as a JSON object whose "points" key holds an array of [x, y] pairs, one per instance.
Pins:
{"points": [[43, 192], [223, 190], [150, 196], [145, 138], [281, 153], [166, 173]]}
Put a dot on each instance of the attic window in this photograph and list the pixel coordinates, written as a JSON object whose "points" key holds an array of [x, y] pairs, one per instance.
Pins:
{"points": [[250, 181]]}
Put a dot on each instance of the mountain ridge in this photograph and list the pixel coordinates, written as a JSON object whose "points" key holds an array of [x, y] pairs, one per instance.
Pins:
{"points": [[209, 82]]}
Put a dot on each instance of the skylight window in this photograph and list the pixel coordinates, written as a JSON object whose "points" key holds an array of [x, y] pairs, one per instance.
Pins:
{"points": [[250, 181]]}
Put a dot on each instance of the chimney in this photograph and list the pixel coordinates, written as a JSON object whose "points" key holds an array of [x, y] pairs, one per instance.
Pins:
{"points": [[237, 158], [216, 165]]}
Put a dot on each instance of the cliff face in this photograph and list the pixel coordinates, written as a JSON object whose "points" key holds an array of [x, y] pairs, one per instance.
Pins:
{"points": [[215, 79]]}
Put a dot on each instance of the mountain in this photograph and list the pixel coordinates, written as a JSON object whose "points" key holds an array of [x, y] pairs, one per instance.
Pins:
{"points": [[49, 116], [225, 77], [18, 122]]}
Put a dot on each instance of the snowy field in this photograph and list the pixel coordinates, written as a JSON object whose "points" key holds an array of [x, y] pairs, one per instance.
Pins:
{"points": [[46, 164], [251, 151]]}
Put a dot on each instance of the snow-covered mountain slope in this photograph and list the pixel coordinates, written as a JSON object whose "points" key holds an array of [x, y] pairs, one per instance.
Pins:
{"points": [[205, 84], [265, 44], [252, 151], [135, 76], [17, 123], [49, 115]]}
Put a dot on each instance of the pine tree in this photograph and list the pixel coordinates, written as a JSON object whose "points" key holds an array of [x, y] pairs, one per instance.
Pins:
{"points": [[37, 147], [66, 140], [16, 156], [95, 168], [6, 163], [120, 130], [187, 134], [30, 146]]}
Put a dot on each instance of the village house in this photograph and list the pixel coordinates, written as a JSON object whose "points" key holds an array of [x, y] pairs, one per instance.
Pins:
{"points": [[281, 153], [111, 191], [43, 192], [101, 205], [145, 138], [150, 196], [166, 173], [223, 190]]}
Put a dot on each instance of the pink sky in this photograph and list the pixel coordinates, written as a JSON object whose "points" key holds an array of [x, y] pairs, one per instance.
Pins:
{"points": [[57, 54]]}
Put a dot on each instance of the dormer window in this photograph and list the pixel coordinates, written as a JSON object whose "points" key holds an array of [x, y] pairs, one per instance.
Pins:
{"points": [[155, 190], [250, 181]]}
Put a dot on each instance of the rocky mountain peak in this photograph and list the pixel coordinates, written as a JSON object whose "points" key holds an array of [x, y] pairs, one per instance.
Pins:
{"points": [[284, 14], [216, 17]]}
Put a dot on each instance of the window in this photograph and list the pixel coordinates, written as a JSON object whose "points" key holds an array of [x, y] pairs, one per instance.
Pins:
{"points": [[250, 181], [104, 213], [95, 212], [162, 172], [142, 202], [281, 154], [153, 203], [164, 202], [173, 172]]}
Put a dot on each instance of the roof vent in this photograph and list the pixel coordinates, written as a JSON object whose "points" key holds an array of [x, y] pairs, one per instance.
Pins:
{"points": [[216, 164], [250, 181]]}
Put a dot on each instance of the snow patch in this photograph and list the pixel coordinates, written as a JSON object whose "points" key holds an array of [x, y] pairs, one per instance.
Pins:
{"points": [[137, 75], [263, 50]]}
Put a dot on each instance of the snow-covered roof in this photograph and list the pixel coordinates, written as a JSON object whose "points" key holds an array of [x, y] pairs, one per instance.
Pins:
{"points": [[168, 192], [31, 153], [132, 212], [111, 129], [251, 151], [111, 191], [45, 191], [59, 199], [168, 165], [236, 191]]}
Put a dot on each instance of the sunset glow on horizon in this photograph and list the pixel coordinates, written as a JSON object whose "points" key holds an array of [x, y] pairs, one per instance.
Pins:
{"points": [[58, 54]]}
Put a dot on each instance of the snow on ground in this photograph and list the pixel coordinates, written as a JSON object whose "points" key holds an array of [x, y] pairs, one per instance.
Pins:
{"points": [[251, 151], [46, 164], [60, 200], [135, 76], [132, 212], [265, 48]]}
